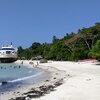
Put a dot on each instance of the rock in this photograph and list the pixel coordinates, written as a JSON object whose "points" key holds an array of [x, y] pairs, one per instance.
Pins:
{"points": [[43, 61], [31, 63]]}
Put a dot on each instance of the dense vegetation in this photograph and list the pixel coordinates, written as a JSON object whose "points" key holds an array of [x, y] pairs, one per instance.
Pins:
{"points": [[73, 46]]}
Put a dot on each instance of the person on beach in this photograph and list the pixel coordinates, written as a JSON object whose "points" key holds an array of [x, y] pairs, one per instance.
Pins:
{"points": [[37, 63], [33, 64], [1, 67], [19, 66], [22, 62]]}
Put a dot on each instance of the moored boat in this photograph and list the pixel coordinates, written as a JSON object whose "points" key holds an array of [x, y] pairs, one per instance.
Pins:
{"points": [[8, 54]]}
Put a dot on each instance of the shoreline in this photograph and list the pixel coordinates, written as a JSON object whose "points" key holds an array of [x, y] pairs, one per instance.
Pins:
{"points": [[36, 90], [67, 81]]}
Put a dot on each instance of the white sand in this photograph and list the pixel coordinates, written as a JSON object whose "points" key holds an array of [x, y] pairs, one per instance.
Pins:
{"points": [[83, 85]]}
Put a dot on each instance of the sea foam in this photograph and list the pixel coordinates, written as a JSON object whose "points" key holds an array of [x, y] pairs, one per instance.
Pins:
{"points": [[27, 77]]}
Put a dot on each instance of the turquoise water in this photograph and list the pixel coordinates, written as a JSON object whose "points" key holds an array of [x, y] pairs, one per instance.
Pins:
{"points": [[20, 75], [11, 72], [15, 75]]}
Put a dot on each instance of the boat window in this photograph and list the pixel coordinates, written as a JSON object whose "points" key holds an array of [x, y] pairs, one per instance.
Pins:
{"points": [[8, 52], [7, 49]]}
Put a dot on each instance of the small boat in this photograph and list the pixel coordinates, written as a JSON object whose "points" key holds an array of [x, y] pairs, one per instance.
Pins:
{"points": [[8, 54]]}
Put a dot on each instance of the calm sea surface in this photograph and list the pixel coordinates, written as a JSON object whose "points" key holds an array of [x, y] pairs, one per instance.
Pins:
{"points": [[11, 72], [15, 74]]}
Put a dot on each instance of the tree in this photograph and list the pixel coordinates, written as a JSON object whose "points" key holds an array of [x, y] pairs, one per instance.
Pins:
{"points": [[89, 36], [95, 51], [73, 46], [35, 45], [54, 39], [20, 51], [97, 23]]}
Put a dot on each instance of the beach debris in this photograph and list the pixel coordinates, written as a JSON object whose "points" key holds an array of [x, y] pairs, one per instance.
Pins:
{"points": [[19, 98], [58, 83], [27, 98], [34, 93], [54, 78], [39, 91], [11, 99], [42, 90], [88, 79], [46, 80]]}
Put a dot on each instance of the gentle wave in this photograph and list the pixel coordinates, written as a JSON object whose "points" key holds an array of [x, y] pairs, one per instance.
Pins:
{"points": [[25, 78]]}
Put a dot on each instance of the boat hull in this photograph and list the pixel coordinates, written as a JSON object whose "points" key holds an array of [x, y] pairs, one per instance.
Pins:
{"points": [[7, 60]]}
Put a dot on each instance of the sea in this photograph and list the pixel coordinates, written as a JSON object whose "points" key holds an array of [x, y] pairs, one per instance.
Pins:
{"points": [[12, 75]]}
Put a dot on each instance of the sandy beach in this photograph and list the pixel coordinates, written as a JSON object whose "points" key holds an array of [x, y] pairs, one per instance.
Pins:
{"points": [[44, 86], [67, 81], [84, 83]]}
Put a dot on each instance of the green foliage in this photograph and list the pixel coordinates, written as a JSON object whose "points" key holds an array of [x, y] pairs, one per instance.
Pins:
{"points": [[95, 51], [73, 46]]}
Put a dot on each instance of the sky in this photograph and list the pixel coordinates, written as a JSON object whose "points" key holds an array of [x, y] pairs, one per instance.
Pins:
{"points": [[23, 22]]}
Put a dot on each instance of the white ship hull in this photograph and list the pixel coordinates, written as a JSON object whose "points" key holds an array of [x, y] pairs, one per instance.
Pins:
{"points": [[8, 54], [7, 60]]}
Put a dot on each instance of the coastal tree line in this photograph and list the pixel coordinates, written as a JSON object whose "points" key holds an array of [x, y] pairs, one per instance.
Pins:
{"points": [[73, 46]]}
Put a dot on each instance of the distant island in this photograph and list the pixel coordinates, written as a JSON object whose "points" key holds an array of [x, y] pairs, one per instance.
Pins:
{"points": [[72, 47]]}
